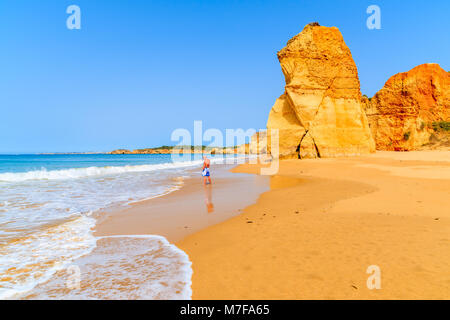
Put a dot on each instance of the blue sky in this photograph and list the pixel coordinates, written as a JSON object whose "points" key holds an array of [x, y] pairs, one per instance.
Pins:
{"points": [[137, 70]]}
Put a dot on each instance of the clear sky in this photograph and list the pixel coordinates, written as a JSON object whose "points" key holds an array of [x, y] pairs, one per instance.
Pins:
{"points": [[139, 69]]}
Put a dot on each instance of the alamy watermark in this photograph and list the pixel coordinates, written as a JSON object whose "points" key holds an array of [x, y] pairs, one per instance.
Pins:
{"points": [[74, 280], [234, 143], [374, 280], [374, 20], [73, 22]]}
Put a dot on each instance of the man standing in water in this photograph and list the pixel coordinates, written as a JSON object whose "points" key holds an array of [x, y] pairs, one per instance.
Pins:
{"points": [[205, 170]]}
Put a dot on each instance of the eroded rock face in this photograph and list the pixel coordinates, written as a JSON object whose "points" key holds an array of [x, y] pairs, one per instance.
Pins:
{"points": [[258, 143], [290, 131], [402, 112], [120, 151], [320, 113]]}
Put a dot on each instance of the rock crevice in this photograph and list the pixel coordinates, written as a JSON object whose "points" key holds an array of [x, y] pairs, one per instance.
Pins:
{"points": [[320, 113]]}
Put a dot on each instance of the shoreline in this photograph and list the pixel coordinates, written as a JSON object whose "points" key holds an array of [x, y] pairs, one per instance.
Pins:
{"points": [[151, 226], [309, 232], [186, 210], [324, 223]]}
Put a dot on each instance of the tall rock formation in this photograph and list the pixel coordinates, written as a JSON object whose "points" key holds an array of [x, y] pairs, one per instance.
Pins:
{"points": [[320, 112], [402, 113]]}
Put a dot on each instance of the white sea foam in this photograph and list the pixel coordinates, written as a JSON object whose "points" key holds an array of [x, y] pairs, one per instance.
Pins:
{"points": [[47, 225], [76, 173], [46, 222], [33, 259], [125, 267]]}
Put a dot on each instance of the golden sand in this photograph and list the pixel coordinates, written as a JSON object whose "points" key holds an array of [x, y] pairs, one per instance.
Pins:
{"points": [[324, 222]]}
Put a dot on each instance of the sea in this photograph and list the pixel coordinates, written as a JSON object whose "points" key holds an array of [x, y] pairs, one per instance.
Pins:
{"points": [[48, 207]]}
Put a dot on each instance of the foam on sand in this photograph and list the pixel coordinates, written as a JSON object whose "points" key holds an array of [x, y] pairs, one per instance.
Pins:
{"points": [[125, 267], [35, 258]]}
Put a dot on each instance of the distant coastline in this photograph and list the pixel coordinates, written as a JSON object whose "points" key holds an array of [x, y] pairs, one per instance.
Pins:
{"points": [[62, 153], [185, 149], [163, 150]]}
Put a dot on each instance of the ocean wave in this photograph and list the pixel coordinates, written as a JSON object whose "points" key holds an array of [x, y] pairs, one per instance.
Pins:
{"points": [[124, 267], [76, 173], [64, 200], [33, 259]]}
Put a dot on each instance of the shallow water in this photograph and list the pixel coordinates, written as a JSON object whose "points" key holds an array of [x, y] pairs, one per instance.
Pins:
{"points": [[123, 267], [46, 216]]}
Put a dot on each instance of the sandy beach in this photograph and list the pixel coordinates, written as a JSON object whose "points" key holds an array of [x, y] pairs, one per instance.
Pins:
{"points": [[324, 222], [134, 256], [187, 210], [309, 232]]}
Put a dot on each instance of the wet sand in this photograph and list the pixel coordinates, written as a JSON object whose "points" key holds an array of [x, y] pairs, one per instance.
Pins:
{"points": [[131, 259], [309, 232], [324, 222], [188, 210]]}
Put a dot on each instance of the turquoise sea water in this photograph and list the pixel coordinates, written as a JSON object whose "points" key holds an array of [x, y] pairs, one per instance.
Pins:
{"points": [[48, 205], [32, 162]]}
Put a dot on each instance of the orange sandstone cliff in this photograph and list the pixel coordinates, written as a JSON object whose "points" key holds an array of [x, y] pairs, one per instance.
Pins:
{"points": [[403, 112], [320, 113]]}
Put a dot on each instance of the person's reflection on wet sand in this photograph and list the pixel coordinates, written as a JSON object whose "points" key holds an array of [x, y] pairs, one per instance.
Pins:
{"points": [[208, 198]]}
